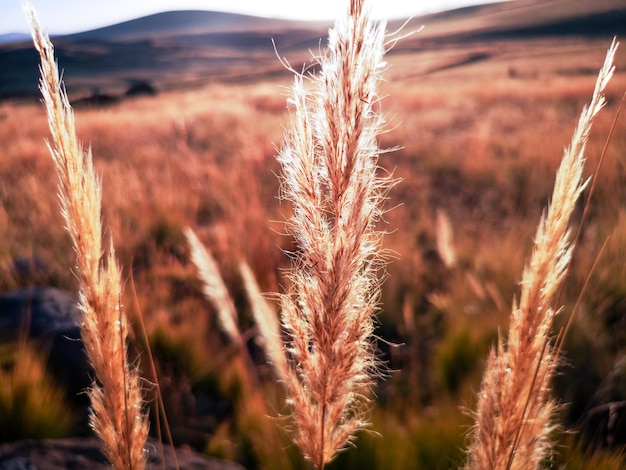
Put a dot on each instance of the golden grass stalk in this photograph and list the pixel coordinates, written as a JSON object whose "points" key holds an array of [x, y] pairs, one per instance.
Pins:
{"points": [[329, 170], [267, 321], [116, 398], [445, 239], [214, 288], [514, 411], [252, 414]]}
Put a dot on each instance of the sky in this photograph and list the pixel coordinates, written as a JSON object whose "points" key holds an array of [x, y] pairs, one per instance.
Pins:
{"points": [[70, 16]]}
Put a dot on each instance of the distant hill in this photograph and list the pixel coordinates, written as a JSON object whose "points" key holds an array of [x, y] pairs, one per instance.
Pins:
{"points": [[171, 49], [175, 23], [190, 48], [13, 37], [525, 19]]}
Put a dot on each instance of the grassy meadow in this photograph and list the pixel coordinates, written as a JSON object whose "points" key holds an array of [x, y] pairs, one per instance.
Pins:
{"points": [[475, 134]]}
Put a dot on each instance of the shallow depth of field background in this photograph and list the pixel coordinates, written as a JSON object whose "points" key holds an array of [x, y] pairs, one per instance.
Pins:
{"points": [[477, 124]]}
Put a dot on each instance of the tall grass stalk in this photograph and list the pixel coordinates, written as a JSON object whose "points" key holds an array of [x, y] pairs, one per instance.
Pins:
{"points": [[251, 408], [330, 176], [214, 288], [267, 321], [514, 410], [116, 397]]}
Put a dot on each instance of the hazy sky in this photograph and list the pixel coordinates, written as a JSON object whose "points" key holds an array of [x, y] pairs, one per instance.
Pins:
{"points": [[68, 16]]}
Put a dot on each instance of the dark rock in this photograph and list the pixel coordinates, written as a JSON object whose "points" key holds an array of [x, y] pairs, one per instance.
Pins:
{"points": [[97, 100], [49, 317], [45, 310], [85, 453], [141, 88]]}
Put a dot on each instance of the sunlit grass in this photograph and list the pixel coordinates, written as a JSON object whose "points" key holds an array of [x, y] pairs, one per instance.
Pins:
{"points": [[32, 405], [206, 158]]}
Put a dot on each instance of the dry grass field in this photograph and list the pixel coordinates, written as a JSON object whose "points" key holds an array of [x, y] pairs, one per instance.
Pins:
{"points": [[476, 130]]}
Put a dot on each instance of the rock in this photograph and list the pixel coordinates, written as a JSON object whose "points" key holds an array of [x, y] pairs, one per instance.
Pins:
{"points": [[46, 309], [85, 453], [96, 100], [141, 88], [51, 319]]}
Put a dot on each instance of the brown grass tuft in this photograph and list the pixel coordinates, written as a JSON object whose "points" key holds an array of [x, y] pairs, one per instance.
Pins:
{"points": [[116, 398], [513, 416]]}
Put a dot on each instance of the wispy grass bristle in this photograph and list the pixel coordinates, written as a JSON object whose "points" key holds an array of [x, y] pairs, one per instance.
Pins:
{"points": [[116, 398], [214, 288], [267, 320], [514, 410], [329, 169], [445, 239]]}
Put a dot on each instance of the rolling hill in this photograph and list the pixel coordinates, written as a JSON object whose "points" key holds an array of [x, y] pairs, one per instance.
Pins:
{"points": [[13, 37], [171, 49], [189, 48], [519, 19], [177, 23]]}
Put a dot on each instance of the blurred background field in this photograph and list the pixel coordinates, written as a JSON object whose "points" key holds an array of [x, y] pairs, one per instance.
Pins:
{"points": [[480, 105]]}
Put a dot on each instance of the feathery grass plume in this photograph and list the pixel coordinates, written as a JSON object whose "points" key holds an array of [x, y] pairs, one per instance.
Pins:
{"points": [[514, 411], [329, 171], [445, 239], [116, 398], [214, 288], [267, 321]]}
